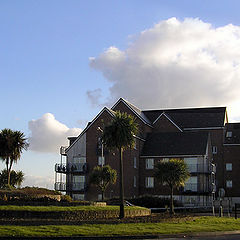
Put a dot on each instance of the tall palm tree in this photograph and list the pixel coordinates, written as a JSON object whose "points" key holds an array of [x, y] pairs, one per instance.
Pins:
{"points": [[120, 134], [12, 144]]}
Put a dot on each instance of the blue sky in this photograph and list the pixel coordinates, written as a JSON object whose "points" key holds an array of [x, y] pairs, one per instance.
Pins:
{"points": [[45, 48]]}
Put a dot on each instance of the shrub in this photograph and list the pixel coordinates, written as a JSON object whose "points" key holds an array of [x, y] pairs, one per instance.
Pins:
{"points": [[66, 198]]}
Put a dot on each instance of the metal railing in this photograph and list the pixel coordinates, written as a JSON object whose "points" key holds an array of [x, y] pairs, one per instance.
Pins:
{"points": [[66, 168], [78, 186], [201, 168], [198, 187]]}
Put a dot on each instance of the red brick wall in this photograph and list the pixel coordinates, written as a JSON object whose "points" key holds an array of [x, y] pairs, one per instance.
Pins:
{"points": [[232, 155]]}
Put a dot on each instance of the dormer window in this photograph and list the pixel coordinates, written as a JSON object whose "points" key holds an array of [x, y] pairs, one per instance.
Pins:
{"points": [[229, 134]]}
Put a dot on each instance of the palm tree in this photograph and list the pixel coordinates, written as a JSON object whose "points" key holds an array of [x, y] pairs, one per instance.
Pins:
{"points": [[120, 134], [174, 173], [102, 177], [12, 143], [16, 178]]}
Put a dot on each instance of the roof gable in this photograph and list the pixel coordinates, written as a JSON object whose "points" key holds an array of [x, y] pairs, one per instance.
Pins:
{"points": [[137, 112], [164, 115], [105, 109]]}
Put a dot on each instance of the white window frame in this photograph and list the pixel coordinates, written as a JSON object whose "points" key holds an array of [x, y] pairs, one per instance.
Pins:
{"points": [[100, 159], [228, 166], [135, 162], [134, 181], [229, 183], [135, 143], [214, 149], [149, 182], [149, 163]]}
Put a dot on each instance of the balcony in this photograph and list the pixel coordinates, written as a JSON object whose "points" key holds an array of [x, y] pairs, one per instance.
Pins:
{"points": [[201, 168], [198, 188], [63, 150], [63, 187], [71, 168]]}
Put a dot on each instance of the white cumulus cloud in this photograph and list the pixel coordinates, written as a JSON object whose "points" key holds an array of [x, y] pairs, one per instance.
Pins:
{"points": [[175, 63], [48, 134], [38, 181]]}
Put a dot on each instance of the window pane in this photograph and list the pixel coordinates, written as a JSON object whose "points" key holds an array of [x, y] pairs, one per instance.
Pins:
{"points": [[229, 166]]}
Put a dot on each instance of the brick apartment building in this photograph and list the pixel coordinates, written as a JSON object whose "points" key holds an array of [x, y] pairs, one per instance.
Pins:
{"points": [[202, 137]]}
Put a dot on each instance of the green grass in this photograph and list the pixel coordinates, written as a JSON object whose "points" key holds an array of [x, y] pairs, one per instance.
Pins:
{"points": [[60, 208], [199, 224]]}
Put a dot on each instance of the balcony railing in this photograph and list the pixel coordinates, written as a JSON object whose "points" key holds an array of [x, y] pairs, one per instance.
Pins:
{"points": [[198, 188], [201, 168], [68, 168], [79, 186]]}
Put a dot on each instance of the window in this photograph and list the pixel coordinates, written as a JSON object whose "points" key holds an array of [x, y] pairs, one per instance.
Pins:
{"points": [[149, 182], [135, 143], [101, 161], [134, 181], [99, 197], [78, 197], [78, 182], [99, 143], [228, 166], [229, 183], [191, 184], [192, 164], [214, 149], [229, 134], [134, 162], [149, 163]]}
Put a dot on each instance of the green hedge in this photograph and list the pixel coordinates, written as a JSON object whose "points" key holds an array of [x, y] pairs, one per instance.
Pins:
{"points": [[74, 215]]}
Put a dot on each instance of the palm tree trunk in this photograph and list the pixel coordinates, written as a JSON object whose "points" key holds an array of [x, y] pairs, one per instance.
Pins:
{"points": [[121, 192], [171, 202], [9, 172], [102, 195]]}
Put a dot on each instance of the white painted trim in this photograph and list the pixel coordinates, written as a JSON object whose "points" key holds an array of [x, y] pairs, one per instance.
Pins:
{"points": [[172, 156], [163, 114], [85, 129], [207, 128], [139, 116], [139, 138]]}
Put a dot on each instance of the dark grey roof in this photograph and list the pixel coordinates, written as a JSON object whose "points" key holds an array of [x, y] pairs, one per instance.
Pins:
{"points": [[175, 143], [235, 129], [192, 117]]}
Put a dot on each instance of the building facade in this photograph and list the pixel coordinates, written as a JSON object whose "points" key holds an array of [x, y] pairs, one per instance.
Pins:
{"points": [[199, 136]]}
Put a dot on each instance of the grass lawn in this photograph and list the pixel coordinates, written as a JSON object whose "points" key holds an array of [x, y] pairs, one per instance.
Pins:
{"points": [[196, 224], [61, 208]]}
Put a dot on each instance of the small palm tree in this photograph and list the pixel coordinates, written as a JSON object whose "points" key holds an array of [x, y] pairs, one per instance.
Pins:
{"points": [[120, 134], [12, 144], [17, 178], [102, 177], [174, 173]]}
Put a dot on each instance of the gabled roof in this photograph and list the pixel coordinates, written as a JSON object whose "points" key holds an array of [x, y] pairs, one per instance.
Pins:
{"points": [[175, 144], [139, 113], [210, 117], [110, 111], [169, 119]]}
